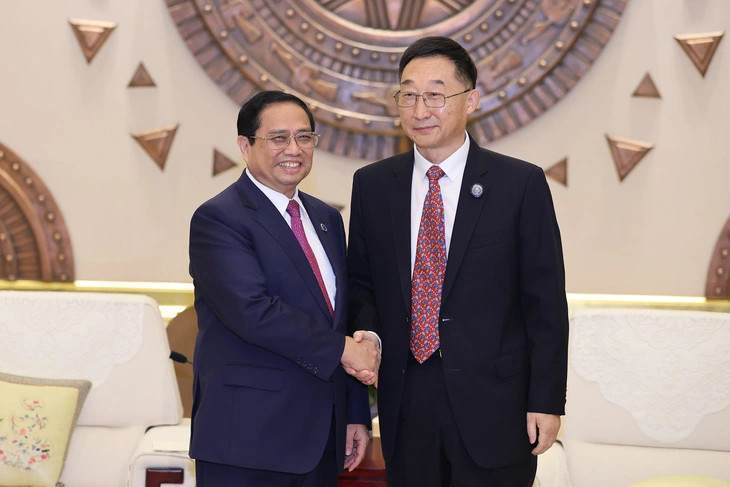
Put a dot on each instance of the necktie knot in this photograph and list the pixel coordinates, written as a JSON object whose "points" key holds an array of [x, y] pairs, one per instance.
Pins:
{"points": [[293, 208], [434, 173]]}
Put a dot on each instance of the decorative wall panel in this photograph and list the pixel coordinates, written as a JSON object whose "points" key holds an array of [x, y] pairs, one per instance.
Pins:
{"points": [[700, 48], [34, 241], [627, 153], [141, 78], [221, 162], [646, 88], [341, 56], [157, 143], [718, 275], [559, 171], [91, 34]]}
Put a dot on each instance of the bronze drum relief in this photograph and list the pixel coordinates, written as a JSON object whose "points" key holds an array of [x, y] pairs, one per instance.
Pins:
{"points": [[341, 56]]}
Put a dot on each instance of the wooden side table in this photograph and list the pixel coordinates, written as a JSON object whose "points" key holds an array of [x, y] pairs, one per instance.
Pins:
{"points": [[370, 472]]}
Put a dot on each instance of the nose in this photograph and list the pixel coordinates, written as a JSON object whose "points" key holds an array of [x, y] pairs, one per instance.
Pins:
{"points": [[420, 110], [293, 147]]}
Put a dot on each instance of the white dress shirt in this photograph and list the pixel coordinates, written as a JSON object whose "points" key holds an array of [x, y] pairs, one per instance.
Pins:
{"points": [[281, 201], [453, 166]]}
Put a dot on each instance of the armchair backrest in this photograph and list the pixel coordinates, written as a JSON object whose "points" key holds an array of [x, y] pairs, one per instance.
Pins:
{"points": [[117, 341], [648, 395]]}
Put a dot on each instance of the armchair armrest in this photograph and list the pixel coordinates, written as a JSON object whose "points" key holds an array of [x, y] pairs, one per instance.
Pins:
{"points": [[162, 457], [552, 468]]}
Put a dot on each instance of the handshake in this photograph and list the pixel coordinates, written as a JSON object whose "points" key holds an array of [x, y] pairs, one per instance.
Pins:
{"points": [[361, 357]]}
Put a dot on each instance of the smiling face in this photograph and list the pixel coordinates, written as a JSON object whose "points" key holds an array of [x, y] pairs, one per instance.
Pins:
{"points": [[437, 132], [280, 170]]}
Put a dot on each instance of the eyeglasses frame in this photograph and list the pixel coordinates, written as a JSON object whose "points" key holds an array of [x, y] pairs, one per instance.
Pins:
{"points": [[315, 136], [420, 95]]}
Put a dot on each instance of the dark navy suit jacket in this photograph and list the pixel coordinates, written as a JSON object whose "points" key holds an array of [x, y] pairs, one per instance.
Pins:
{"points": [[267, 367], [503, 319]]}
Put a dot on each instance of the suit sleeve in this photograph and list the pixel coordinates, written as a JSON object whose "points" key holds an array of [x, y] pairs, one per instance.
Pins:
{"points": [[228, 276], [361, 304], [543, 300]]}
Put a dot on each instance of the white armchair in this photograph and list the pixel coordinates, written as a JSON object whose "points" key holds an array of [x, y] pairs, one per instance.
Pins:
{"points": [[118, 342], [648, 396]]}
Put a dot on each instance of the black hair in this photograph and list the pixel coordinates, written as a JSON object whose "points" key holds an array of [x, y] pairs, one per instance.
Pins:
{"points": [[466, 70], [249, 116]]}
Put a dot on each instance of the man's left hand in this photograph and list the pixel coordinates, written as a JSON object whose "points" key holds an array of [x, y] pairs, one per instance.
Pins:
{"points": [[542, 428], [355, 443]]}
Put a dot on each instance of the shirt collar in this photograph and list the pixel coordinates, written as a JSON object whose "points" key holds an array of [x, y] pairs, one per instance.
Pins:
{"points": [[279, 200], [452, 165]]}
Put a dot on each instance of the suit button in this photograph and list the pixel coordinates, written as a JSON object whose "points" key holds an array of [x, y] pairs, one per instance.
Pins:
{"points": [[315, 370]]}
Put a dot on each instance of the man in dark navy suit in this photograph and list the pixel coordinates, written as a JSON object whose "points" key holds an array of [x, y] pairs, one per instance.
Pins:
{"points": [[455, 261], [272, 403]]}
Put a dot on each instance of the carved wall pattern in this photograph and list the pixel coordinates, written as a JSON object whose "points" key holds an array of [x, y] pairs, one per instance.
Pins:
{"points": [[718, 275], [34, 241], [341, 56]]}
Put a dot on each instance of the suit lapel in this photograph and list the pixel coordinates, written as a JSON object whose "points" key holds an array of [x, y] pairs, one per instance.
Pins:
{"points": [[266, 214], [467, 213], [400, 219]]}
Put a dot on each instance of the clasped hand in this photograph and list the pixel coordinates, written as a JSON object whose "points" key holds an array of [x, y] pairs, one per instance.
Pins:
{"points": [[361, 358]]}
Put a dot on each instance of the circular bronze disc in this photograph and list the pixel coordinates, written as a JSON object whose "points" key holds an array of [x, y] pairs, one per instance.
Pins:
{"points": [[34, 240], [341, 56]]}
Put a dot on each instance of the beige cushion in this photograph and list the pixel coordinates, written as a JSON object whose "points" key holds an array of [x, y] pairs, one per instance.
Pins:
{"points": [[683, 481], [37, 419]]}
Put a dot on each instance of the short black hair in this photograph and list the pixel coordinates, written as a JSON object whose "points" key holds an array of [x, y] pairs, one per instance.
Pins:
{"points": [[249, 116], [466, 70]]}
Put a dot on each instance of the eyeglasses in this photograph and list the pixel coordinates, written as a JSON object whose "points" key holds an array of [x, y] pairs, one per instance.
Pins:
{"points": [[432, 99], [276, 141]]}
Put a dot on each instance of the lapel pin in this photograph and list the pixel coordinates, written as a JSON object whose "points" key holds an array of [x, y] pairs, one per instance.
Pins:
{"points": [[477, 190], [323, 227]]}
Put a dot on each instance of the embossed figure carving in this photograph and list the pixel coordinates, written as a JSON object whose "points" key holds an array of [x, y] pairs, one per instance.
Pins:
{"points": [[34, 241], [554, 13], [341, 56]]}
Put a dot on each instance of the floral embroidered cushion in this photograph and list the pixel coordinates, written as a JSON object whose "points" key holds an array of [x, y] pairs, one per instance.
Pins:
{"points": [[37, 418]]}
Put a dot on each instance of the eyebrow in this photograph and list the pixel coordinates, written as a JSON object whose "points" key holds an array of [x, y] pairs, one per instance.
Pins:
{"points": [[284, 131], [436, 81]]}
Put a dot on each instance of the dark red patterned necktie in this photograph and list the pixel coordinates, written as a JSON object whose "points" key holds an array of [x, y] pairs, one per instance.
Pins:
{"points": [[296, 226], [428, 271]]}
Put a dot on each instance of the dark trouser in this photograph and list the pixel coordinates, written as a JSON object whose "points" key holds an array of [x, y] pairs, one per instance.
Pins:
{"points": [[325, 474], [429, 449]]}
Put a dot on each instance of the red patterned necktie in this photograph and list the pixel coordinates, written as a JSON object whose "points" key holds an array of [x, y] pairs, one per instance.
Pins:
{"points": [[296, 226], [428, 271]]}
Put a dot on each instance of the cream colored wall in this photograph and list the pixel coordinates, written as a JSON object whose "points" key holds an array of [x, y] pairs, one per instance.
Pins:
{"points": [[70, 121]]}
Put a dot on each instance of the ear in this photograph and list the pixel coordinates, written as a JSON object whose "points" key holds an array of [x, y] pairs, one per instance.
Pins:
{"points": [[244, 145], [472, 101]]}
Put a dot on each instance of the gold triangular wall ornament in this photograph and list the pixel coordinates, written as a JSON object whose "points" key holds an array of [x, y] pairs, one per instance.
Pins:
{"points": [[700, 48], [141, 78], [91, 35], [157, 143], [627, 153], [559, 171], [647, 88], [221, 162]]}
